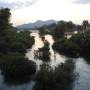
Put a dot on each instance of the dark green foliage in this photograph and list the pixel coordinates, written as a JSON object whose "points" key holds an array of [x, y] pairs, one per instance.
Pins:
{"points": [[75, 46], [62, 27], [59, 30], [13, 45], [44, 53], [59, 78], [15, 67], [4, 18], [15, 42], [83, 41], [10, 40], [67, 47], [85, 24], [43, 31]]}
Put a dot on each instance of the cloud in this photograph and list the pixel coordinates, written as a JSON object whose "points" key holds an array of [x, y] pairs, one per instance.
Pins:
{"points": [[16, 3], [82, 1]]}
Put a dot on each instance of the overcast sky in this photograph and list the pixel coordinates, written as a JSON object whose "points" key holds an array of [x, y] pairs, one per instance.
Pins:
{"points": [[24, 11]]}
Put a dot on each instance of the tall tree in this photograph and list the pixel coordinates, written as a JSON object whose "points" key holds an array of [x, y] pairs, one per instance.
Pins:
{"points": [[4, 18], [85, 24], [59, 30]]}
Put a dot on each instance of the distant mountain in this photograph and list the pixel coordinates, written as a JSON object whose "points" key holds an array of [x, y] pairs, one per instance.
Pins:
{"points": [[36, 24]]}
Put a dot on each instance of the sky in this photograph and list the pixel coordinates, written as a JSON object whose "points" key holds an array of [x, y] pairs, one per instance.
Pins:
{"points": [[28, 11]]}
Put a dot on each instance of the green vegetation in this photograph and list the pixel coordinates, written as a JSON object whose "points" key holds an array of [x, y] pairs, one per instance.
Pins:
{"points": [[10, 40], [75, 46], [78, 44], [59, 78], [66, 47], [15, 42], [16, 68], [13, 45], [43, 31], [44, 53], [61, 28], [58, 30]]}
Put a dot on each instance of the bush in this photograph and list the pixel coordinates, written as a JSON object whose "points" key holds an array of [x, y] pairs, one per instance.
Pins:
{"points": [[66, 47], [59, 78], [16, 67], [75, 46], [44, 53], [13, 45]]}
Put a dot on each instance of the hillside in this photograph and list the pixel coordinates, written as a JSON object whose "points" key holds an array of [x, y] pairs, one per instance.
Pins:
{"points": [[36, 24]]}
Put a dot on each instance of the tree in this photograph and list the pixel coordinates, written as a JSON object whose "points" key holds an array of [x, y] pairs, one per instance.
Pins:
{"points": [[4, 18], [59, 30], [59, 78], [85, 24], [70, 26]]}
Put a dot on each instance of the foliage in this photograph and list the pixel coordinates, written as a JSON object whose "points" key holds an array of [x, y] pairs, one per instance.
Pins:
{"points": [[15, 42], [66, 47], [75, 46], [83, 41], [15, 67], [13, 45], [4, 18], [59, 78], [62, 27], [43, 31], [10, 40], [85, 24], [44, 53]]}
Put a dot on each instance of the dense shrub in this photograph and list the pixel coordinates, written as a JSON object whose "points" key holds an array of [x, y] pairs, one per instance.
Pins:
{"points": [[67, 47], [75, 46], [13, 45], [44, 53], [16, 67], [59, 78]]}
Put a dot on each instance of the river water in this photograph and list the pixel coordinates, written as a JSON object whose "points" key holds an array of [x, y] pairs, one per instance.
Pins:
{"points": [[55, 58], [82, 67]]}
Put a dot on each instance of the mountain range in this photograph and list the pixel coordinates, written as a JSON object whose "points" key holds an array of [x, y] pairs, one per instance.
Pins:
{"points": [[36, 24]]}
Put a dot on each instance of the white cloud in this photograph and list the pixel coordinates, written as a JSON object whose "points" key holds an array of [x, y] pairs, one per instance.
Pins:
{"points": [[82, 1], [52, 9], [15, 4]]}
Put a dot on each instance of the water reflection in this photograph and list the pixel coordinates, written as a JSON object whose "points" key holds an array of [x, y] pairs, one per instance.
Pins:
{"points": [[82, 67], [55, 58], [31, 53]]}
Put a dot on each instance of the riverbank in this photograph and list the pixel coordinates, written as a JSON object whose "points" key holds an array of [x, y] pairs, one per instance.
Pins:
{"points": [[76, 46], [13, 63]]}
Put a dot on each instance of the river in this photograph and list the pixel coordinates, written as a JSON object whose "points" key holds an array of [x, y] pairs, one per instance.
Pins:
{"points": [[82, 67]]}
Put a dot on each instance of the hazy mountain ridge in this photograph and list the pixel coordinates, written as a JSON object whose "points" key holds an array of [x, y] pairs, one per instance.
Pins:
{"points": [[36, 24]]}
